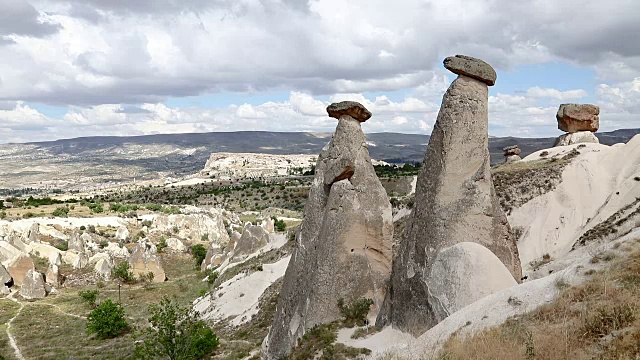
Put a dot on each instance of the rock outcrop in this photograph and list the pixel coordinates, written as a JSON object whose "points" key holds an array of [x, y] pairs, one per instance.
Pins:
{"points": [[455, 201], [76, 242], [195, 227], [511, 154], [253, 238], [579, 121], [462, 274], [143, 261], [576, 138], [344, 244], [33, 286], [18, 267], [578, 117]]}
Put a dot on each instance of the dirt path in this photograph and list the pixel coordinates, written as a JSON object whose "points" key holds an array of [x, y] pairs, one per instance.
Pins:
{"points": [[12, 340]]}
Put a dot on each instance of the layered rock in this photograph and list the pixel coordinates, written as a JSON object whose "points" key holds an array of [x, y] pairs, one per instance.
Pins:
{"points": [[195, 227], [33, 286], [144, 261], [455, 202], [344, 244]]}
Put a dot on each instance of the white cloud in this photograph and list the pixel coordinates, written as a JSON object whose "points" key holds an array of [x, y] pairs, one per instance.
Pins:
{"points": [[568, 95]]}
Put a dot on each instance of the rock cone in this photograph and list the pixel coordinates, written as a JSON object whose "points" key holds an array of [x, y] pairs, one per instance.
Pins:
{"points": [[344, 245], [455, 202]]}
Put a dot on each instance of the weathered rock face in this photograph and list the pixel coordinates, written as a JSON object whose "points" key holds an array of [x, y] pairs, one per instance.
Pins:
{"points": [[455, 202], [215, 256], [253, 238], [462, 274], [76, 242], [512, 158], [195, 226], [33, 286], [176, 245], [578, 117], [53, 276], [576, 138], [5, 277], [18, 267], [344, 244], [122, 233], [471, 67], [143, 261]]}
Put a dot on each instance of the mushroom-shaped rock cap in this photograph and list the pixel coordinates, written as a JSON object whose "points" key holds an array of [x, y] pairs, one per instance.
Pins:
{"points": [[351, 108], [510, 147], [471, 67]]}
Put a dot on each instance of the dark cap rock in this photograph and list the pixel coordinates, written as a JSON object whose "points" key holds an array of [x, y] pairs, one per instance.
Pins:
{"points": [[471, 67], [351, 108]]}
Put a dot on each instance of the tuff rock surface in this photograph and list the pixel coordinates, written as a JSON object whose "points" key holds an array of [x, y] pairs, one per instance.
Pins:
{"points": [[33, 286], [344, 244], [143, 260], [349, 108], [576, 138], [455, 202]]}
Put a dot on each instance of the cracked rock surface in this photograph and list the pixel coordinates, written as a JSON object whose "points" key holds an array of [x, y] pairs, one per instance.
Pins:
{"points": [[344, 244]]}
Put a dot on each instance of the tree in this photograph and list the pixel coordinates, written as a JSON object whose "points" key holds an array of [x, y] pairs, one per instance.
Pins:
{"points": [[175, 333], [199, 252], [107, 320]]}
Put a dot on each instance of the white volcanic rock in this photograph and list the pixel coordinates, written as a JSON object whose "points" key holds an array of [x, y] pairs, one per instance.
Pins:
{"points": [[464, 273], [576, 138], [143, 261], [122, 233], [176, 245], [33, 286], [193, 226], [344, 244], [18, 267], [232, 166], [455, 202]]}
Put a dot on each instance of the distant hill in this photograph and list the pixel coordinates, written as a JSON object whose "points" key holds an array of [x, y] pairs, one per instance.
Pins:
{"points": [[73, 163]]}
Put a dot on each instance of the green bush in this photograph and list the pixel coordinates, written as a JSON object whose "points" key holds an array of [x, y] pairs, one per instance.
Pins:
{"points": [[162, 244], [280, 225], [199, 252], [211, 276], [60, 212], [175, 333], [62, 245], [89, 296], [123, 273], [107, 320], [3, 214], [355, 313], [96, 208]]}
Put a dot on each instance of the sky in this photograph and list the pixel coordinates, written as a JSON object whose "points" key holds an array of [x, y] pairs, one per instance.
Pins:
{"points": [[71, 68]]}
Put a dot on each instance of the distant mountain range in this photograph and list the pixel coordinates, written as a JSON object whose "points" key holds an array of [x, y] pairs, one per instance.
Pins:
{"points": [[73, 163]]}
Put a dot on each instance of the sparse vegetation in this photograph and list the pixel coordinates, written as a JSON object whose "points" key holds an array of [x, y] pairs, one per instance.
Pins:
{"points": [[599, 319], [123, 273], [107, 320], [176, 333], [198, 252], [89, 297], [355, 312], [60, 212]]}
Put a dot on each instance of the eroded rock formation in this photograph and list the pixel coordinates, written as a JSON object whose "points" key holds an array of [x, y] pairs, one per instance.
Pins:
{"points": [[511, 154], [455, 201], [580, 121], [344, 245]]}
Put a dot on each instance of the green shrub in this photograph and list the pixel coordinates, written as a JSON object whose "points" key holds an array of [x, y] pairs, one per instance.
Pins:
{"points": [[107, 320], [62, 245], [175, 333], [3, 214], [60, 212], [211, 276], [28, 215], [147, 223], [89, 297], [123, 273], [162, 244], [199, 252], [205, 237], [280, 225], [96, 208], [355, 313]]}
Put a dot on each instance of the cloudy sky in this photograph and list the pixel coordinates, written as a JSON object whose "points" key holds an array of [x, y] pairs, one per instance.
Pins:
{"points": [[72, 68]]}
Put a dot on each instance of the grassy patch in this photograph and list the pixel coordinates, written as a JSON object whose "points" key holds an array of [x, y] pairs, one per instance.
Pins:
{"points": [[599, 319]]}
